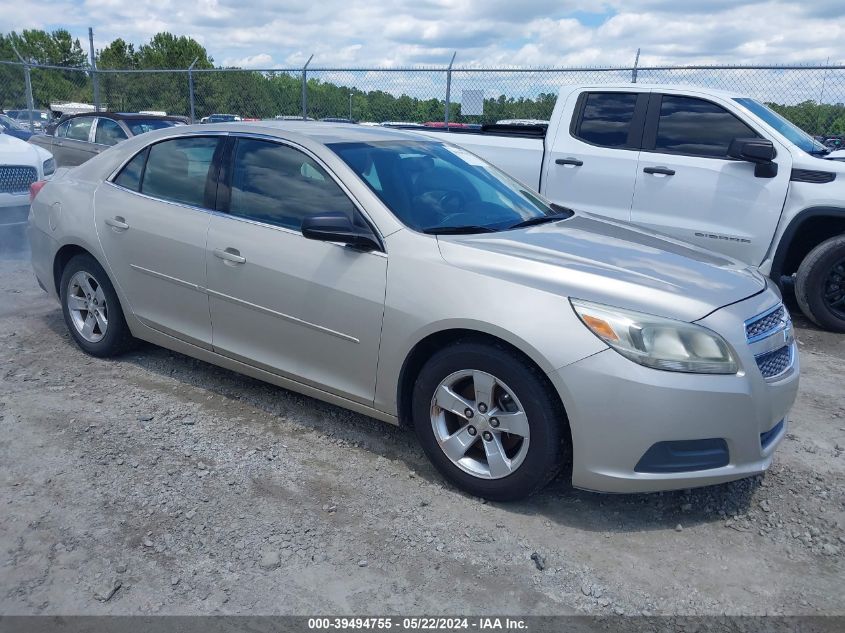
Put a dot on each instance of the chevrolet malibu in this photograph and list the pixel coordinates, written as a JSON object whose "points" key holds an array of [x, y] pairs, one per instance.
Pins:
{"points": [[411, 281]]}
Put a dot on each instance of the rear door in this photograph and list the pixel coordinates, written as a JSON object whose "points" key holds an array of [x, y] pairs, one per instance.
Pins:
{"points": [[152, 221], [688, 188], [76, 145], [592, 160]]}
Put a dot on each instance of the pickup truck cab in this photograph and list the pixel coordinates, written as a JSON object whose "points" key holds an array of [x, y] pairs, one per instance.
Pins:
{"points": [[713, 168]]}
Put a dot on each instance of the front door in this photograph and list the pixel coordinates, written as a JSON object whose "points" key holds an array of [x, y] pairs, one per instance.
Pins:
{"points": [[309, 310], [152, 222], [688, 188]]}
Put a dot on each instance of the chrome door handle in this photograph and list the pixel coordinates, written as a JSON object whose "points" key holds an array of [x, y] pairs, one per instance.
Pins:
{"points": [[663, 171], [117, 222], [230, 255]]}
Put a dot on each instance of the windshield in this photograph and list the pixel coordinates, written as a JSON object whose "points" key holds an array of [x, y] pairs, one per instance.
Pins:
{"points": [[139, 126], [432, 187], [9, 123], [788, 129]]}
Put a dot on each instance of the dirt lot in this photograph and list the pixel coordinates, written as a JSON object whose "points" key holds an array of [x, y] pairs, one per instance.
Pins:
{"points": [[159, 484]]}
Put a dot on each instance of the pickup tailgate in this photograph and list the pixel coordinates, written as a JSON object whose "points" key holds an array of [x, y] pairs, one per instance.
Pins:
{"points": [[520, 158]]}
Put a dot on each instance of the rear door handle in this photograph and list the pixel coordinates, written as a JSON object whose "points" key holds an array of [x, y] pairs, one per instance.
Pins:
{"points": [[569, 161], [117, 222], [664, 171], [230, 255]]}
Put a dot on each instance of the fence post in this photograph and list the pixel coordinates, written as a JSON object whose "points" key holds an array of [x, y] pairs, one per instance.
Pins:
{"points": [[94, 78], [449, 88], [305, 89], [634, 70], [191, 87], [30, 103]]}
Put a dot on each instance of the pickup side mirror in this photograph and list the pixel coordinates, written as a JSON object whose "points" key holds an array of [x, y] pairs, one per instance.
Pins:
{"points": [[759, 151], [337, 227]]}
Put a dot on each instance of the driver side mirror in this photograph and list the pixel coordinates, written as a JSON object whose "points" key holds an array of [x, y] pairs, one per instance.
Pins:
{"points": [[760, 151], [337, 227]]}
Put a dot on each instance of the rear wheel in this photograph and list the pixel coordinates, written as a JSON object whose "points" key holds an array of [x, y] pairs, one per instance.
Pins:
{"points": [[820, 284], [489, 421], [91, 309]]}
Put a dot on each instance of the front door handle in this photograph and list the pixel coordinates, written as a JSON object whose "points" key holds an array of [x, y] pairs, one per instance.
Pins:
{"points": [[569, 161], [117, 222], [230, 255], [663, 171]]}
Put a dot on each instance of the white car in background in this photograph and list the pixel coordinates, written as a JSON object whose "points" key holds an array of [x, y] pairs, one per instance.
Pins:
{"points": [[21, 164]]}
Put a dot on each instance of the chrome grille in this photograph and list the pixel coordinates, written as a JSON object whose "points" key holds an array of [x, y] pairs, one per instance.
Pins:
{"points": [[764, 324], [17, 178], [774, 363]]}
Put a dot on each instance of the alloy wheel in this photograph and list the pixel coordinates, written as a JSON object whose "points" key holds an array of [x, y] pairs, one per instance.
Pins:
{"points": [[834, 289], [86, 303], [479, 424]]}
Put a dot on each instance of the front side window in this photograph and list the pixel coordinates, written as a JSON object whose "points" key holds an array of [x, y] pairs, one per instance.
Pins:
{"points": [[697, 128], [606, 119], [177, 170], [279, 185], [62, 129], [108, 132], [80, 129], [436, 188]]}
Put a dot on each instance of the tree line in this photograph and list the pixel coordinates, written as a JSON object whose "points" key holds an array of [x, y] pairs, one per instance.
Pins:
{"points": [[256, 94]]}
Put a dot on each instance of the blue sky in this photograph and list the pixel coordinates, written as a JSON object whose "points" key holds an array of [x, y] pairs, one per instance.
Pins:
{"points": [[283, 33]]}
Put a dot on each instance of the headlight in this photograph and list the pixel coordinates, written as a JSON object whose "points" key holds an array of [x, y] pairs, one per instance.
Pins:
{"points": [[49, 166], [657, 342]]}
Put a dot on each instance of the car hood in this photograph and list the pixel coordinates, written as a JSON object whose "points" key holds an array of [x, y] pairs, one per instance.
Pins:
{"points": [[608, 262], [14, 151]]}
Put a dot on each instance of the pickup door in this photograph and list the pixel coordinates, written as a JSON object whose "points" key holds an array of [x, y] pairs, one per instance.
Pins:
{"points": [[688, 188]]}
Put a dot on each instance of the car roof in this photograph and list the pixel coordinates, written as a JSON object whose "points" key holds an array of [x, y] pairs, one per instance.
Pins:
{"points": [[323, 132], [125, 116], [692, 88]]}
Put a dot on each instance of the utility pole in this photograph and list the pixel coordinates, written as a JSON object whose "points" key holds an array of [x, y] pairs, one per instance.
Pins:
{"points": [[350, 105], [94, 78], [449, 88]]}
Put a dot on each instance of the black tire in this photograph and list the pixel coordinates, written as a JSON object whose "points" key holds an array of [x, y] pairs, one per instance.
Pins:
{"points": [[549, 433], [117, 339], [822, 269]]}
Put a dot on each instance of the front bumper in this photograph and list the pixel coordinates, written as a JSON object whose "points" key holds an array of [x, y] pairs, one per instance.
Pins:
{"points": [[618, 410], [14, 209]]}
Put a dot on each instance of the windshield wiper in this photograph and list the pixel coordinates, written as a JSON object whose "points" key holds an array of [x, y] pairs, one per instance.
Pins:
{"points": [[458, 230], [566, 213]]}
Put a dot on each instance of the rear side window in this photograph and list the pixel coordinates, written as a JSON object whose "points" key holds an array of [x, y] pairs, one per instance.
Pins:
{"points": [[177, 170], [130, 175], [79, 129], [279, 185], [606, 118], [697, 128]]}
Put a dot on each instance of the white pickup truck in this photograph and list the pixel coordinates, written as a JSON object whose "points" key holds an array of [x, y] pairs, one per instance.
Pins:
{"points": [[713, 168]]}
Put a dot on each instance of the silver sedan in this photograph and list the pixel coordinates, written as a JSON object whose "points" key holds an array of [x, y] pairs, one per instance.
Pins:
{"points": [[409, 280]]}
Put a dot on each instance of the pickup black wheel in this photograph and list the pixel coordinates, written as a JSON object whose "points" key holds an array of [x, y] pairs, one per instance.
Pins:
{"points": [[820, 284], [489, 421], [91, 309]]}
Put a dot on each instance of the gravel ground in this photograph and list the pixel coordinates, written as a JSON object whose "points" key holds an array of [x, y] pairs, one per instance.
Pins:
{"points": [[159, 484]]}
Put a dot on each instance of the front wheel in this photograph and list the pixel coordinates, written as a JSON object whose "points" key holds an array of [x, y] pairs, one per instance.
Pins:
{"points": [[489, 421], [820, 284]]}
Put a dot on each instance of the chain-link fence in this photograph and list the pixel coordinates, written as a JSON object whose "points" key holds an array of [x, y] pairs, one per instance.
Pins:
{"points": [[811, 96]]}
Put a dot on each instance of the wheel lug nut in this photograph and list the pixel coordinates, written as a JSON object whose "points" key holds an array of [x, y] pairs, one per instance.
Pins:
{"points": [[494, 422], [468, 413], [487, 435], [482, 407], [471, 430]]}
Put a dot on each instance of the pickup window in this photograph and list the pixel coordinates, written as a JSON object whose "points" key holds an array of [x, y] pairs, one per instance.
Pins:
{"points": [[605, 118], [695, 127]]}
